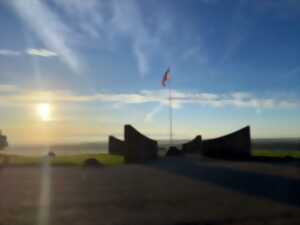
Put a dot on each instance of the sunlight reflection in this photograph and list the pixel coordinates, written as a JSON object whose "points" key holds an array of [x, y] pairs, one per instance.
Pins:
{"points": [[45, 193]]}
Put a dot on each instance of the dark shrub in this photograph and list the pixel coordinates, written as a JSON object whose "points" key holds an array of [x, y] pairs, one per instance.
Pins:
{"points": [[173, 151], [288, 158], [51, 154], [92, 163]]}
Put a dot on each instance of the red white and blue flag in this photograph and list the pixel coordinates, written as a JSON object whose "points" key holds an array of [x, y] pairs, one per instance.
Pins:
{"points": [[166, 77]]}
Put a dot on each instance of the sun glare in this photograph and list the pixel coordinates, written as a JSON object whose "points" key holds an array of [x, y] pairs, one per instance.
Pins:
{"points": [[43, 110]]}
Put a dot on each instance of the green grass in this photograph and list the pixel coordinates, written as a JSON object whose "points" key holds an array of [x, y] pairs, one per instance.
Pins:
{"points": [[73, 160], [110, 160], [276, 154]]}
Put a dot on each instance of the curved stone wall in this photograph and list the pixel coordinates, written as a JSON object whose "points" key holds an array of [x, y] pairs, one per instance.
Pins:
{"points": [[236, 144], [193, 146], [116, 146], [139, 148]]}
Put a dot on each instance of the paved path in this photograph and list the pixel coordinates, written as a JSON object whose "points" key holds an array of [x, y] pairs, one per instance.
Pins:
{"points": [[173, 191]]}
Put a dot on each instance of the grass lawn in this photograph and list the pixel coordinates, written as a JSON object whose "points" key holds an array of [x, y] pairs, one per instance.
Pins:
{"points": [[276, 154], [73, 160], [110, 160]]}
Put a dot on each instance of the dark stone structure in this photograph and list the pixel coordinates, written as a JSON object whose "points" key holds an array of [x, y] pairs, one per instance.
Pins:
{"points": [[3, 141], [234, 145], [116, 146], [139, 148], [193, 146], [174, 151]]}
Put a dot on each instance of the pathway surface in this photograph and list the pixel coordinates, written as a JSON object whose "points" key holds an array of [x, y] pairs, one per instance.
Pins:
{"points": [[172, 191]]}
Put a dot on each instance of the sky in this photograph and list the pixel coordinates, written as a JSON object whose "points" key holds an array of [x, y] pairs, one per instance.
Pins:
{"points": [[76, 70]]}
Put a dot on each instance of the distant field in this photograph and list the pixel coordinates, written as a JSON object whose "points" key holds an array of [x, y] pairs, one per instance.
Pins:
{"points": [[276, 154], [73, 160], [280, 144], [111, 160]]}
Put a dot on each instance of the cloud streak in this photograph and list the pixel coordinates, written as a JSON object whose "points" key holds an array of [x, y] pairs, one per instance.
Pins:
{"points": [[67, 26], [6, 88], [115, 21], [128, 20], [40, 52], [149, 116], [180, 98], [50, 29], [30, 51], [8, 52]]}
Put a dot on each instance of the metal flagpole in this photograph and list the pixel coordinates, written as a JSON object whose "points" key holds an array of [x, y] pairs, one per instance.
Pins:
{"points": [[170, 114]]}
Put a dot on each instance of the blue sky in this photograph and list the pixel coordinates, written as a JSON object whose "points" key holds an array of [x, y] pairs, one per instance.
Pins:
{"points": [[98, 65]]}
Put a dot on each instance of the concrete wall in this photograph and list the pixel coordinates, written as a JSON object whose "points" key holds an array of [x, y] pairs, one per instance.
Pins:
{"points": [[193, 146], [236, 144], [116, 146], [139, 148]]}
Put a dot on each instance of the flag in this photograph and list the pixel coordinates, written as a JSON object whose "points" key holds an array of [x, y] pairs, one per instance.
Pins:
{"points": [[166, 77]]}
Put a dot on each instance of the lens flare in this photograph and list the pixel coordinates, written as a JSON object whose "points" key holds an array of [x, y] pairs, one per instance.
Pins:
{"points": [[44, 111]]}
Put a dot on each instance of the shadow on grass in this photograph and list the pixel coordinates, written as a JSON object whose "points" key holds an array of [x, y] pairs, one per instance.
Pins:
{"points": [[284, 161], [277, 188], [274, 160]]}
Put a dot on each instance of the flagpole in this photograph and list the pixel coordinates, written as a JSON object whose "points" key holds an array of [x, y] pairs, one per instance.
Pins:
{"points": [[170, 113]]}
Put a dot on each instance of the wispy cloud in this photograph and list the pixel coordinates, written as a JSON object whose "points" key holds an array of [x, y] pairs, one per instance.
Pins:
{"points": [[149, 116], [88, 16], [8, 52], [179, 99], [50, 29], [127, 20], [238, 31], [40, 52], [65, 26], [190, 53], [115, 21], [30, 51], [195, 54], [4, 88]]}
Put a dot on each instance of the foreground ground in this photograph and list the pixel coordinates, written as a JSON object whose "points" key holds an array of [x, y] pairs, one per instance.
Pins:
{"points": [[172, 191]]}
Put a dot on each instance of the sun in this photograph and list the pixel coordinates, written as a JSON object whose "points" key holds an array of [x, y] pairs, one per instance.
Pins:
{"points": [[44, 110]]}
